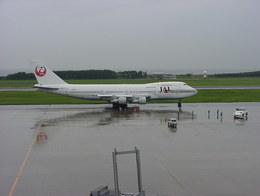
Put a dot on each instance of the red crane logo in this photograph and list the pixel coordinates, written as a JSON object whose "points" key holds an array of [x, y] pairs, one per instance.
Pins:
{"points": [[40, 70]]}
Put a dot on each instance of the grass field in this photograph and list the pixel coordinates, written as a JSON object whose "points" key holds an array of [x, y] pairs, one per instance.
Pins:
{"points": [[37, 97], [189, 81], [222, 81]]}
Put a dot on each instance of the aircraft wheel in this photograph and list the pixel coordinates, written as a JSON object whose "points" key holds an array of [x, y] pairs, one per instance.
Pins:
{"points": [[116, 106], [179, 105], [123, 106]]}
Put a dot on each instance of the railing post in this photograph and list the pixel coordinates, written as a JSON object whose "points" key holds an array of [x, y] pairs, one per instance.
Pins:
{"points": [[115, 173], [138, 165]]}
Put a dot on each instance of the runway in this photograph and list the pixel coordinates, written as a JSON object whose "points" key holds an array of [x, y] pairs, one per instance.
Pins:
{"points": [[17, 89], [66, 149]]}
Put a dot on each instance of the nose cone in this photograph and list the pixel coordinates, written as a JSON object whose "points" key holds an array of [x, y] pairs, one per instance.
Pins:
{"points": [[194, 91], [189, 91]]}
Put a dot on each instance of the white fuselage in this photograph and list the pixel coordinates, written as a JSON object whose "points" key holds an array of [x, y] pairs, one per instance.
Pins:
{"points": [[132, 93]]}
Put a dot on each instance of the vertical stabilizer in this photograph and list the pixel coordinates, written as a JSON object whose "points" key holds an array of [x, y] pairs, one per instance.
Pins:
{"points": [[44, 75]]}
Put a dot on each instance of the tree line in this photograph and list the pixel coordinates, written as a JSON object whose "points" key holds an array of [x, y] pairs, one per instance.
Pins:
{"points": [[83, 74], [237, 75], [108, 74]]}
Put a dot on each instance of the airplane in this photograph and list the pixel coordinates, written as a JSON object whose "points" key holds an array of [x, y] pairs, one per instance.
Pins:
{"points": [[118, 94]]}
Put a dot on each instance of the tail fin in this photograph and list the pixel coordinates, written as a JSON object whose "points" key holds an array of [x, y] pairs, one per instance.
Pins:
{"points": [[44, 75]]}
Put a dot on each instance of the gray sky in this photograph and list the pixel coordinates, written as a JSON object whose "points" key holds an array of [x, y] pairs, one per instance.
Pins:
{"points": [[147, 35]]}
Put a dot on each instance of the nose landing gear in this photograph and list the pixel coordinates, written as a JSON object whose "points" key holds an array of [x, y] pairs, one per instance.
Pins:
{"points": [[179, 105]]}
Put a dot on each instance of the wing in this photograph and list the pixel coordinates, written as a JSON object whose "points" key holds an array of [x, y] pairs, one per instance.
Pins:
{"points": [[111, 97]]}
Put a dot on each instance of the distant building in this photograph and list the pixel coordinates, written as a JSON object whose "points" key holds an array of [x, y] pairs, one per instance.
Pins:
{"points": [[205, 74], [168, 77], [163, 76]]}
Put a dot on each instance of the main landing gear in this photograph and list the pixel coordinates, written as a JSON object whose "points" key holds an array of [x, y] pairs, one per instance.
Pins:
{"points": [[117, 106], [179, 105]]}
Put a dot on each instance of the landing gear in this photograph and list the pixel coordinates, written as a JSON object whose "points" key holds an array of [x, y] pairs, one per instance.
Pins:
{"points": [[179, 105], [117, 106], [123, 106]]}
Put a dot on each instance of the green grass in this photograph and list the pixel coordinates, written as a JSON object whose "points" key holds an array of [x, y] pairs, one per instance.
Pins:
{"points": [[190, 81], [222, 95], [225, 95], [17, 83], [221, 81], [37, 97]]}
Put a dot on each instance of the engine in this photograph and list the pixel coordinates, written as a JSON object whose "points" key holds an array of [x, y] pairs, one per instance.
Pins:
{"points": [[142, 100], [122, 100]]}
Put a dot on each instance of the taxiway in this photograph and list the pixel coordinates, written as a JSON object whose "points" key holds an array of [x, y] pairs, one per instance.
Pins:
{"points": [[66, 149]]}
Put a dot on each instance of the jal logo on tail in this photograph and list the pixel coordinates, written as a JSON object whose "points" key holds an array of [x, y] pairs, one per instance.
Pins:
{"points": [[40, 70]]}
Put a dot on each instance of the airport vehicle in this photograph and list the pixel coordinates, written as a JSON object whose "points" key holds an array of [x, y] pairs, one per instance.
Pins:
{"points": [[240, 113], [172, 122], [118, 95]]}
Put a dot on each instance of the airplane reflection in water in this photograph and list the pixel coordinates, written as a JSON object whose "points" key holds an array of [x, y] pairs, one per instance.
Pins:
{"points": [[116, 116], [107, 116], [240, 122]]}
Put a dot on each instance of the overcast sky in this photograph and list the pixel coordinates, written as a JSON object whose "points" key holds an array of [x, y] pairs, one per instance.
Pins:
{"points": [[147, 35]]}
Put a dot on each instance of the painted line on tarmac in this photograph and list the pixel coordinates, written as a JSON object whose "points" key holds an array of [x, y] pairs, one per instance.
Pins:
{"points": [[38, 128]]}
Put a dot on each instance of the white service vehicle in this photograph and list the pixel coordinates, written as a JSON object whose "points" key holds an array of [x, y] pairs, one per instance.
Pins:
{"points": [[240, 113], [172, 122]]}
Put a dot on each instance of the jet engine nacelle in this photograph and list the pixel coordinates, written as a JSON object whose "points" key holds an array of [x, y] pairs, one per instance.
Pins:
{"points": [[142, 100], [122, 100]]}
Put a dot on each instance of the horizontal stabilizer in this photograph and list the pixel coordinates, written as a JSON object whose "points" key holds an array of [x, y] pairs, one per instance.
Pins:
{"points": [[45, 87]]}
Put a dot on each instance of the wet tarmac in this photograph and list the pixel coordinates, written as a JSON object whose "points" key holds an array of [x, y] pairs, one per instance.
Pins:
{"points": [[60, 150]]}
